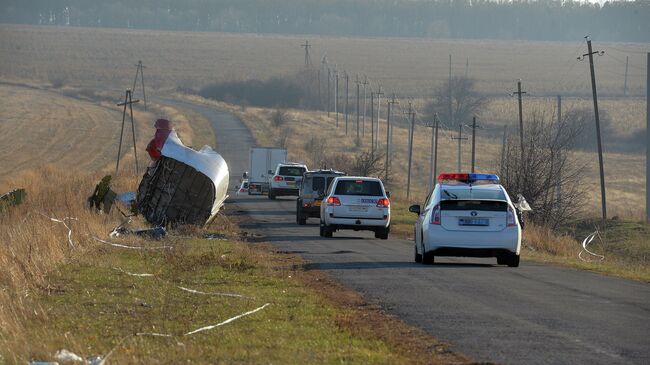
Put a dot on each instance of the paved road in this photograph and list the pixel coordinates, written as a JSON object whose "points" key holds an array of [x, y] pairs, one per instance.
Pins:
{"points": [[534, 314]]}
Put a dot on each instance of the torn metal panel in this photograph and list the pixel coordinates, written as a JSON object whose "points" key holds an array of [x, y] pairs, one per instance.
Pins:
{"points": [[183, 186]]}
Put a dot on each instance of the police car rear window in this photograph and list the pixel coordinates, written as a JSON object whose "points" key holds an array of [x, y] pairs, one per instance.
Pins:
{"points": [[471, 194], [481, 205], [358, 187]]}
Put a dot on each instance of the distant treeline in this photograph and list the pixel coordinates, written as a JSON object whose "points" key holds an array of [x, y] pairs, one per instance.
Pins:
{"points": [[527, 19]]}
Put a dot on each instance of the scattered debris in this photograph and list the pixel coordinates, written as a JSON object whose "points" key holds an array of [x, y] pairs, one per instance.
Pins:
{"points": [[181, 185], [133, 247], [70, 242], [204, 293], [67, 356], [216, 236], [206, 328], [43, 363], [12, 198], [522, 204], [132, 274], [586, 243], [102, 197], [155, 233]]}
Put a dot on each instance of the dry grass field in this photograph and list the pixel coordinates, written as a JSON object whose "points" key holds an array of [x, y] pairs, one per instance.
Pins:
{"points": [[104, 58]]}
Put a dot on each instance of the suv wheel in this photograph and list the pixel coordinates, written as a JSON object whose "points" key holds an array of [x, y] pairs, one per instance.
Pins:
{"points": [[271, 195], [325, 231], [382, 233], [300, 219]]}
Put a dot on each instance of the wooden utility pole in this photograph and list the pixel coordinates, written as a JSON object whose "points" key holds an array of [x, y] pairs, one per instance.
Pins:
{"points": [[388, 135], [519, 93], [627, 60], [128, 101], [378, 94], [590, 53], [473, 143], [336, 96], [307, 46], [647, 141], [558, 185], [411, 113], [347, 101], [140, 70], [363, 123], [460, 139], [451, 114], [358, 89], [329, 76], [433, 161], [372, 121], [503, 148]]}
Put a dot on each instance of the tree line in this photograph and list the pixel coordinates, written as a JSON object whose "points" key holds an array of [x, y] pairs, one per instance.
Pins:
{"points": [[467, 19]]}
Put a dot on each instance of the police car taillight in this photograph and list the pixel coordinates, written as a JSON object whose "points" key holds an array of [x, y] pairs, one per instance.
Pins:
{"points": [[511, 220], [435, 215], [278, 178], [333, 200]]}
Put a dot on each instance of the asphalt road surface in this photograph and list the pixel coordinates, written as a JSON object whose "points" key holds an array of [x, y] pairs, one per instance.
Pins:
{"points": [[534, 314]]}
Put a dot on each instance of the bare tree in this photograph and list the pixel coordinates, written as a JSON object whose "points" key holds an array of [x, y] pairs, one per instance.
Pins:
{"points": [[465, 101], [549, 177]]}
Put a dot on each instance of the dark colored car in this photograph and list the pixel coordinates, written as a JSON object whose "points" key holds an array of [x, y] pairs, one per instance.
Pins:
{"points": [[312, 190]]}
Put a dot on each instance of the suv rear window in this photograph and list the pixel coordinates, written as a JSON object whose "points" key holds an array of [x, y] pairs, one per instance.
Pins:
{"points": [[318, 183], [358, 187], [482, 205], [291, 171]]}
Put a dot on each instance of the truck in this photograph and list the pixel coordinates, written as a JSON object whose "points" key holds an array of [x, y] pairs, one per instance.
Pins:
{"points": [[262, 164]]}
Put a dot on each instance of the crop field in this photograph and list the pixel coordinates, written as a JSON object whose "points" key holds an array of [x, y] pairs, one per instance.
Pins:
{"points": [[104, 58]]}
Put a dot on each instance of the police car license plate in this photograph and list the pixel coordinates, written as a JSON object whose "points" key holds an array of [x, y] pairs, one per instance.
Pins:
{"points": [[291, 183], [473, 222], [358, 208]]}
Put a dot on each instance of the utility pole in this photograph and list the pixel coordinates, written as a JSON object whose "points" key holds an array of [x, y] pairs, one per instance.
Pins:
{"points": [[503, 148], [411, 113], [433, 162], [647, 140], [590, 53], [388, 135], [378, 94], [336, 96], [473, 143], [329, 76], [347, 101], [363, 123], [128, 100], [372, 121], [451, 114], [627, 60], [460, 139], [558, 185], [521, 120], [358, 83], [140, 70], [307, 46]]}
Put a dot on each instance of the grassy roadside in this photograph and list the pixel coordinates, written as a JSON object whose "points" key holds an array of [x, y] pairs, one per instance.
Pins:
{"points": [[95, 306]]}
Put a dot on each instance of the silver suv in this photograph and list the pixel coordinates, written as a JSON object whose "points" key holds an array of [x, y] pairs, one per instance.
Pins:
{"points": [[286, 179], [312, 190]]}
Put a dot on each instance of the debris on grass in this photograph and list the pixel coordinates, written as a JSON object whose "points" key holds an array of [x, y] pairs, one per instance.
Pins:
{"points": [[12, 198]]}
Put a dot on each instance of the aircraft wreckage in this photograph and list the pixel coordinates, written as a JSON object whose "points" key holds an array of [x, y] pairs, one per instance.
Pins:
{"points": [[181, 185]]}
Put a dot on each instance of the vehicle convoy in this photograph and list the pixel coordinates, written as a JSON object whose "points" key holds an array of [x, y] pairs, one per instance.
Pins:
{"points": [[467, 215], [312, 190], [262, 163], [286, 179], [356, 203]]}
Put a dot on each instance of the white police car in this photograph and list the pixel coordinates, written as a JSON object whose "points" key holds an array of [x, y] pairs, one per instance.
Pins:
{"points": [[467, 215], [356, 203]]}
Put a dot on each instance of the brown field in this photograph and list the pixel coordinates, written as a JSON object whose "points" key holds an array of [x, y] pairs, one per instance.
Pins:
{"points": [[104, 58]]}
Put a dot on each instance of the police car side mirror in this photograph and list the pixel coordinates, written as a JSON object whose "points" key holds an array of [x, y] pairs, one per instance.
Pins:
{"points": [[388, 194], [415, 208]]}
